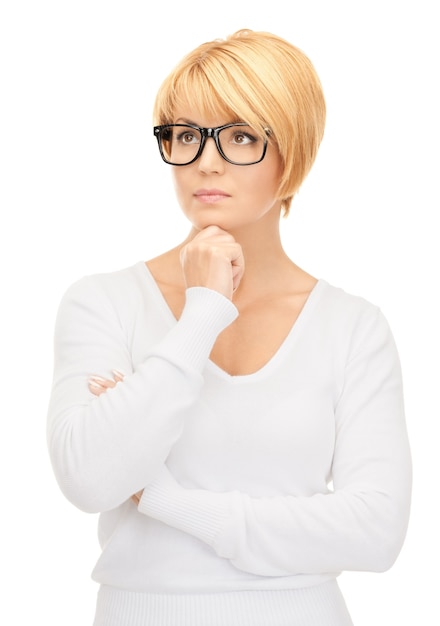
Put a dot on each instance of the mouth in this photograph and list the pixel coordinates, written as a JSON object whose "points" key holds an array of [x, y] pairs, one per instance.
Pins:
{"points": [[210, 196]]}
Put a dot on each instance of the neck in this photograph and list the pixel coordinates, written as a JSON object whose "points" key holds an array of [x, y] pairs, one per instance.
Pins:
{"points": [[269, 272], [266, 262]]}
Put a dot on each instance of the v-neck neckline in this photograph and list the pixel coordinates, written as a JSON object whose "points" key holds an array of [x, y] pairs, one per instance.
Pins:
{"points": [[274, 360]]}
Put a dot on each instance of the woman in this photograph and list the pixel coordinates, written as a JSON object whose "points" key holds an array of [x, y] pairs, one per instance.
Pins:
{"points": [[237, 422]]}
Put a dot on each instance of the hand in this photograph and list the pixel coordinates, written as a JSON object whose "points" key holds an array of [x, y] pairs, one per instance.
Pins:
{"points": [[99, 385], [136, 497], [213, 259]]}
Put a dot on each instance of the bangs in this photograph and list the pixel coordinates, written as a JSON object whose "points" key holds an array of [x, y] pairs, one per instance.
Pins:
{"points": [[204, 89]]}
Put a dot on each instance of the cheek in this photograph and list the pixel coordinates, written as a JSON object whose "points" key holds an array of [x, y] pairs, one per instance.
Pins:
{"points": [[178, 183], [265, 182], [268, 176], [175, 178]]}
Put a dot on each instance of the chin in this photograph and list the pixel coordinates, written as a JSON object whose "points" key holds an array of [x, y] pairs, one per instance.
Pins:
{"points": [[208, 217]]}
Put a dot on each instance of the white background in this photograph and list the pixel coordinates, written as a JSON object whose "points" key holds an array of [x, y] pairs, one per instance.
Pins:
{"points": [[83, 190]]}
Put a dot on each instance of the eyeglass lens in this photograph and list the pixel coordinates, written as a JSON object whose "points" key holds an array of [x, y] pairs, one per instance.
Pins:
{"points": [[239, 144]]}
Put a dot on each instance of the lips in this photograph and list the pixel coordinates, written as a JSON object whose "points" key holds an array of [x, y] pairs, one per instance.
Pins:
{"points": [[210, 195]]}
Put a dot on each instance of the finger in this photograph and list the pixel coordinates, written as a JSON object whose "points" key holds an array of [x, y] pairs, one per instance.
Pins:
{"points": [[98, 385], [136, 497], [237, 275], [212, 235], [107, 383], [211, 231], [118, 376], [213, 259], [96, 388]]}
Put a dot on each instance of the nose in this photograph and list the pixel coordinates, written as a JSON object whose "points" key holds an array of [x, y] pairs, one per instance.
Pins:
{"points": [[210, 161]]}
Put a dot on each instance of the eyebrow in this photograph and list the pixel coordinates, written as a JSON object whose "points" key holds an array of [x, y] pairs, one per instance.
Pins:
{"points": [[185, 121]]}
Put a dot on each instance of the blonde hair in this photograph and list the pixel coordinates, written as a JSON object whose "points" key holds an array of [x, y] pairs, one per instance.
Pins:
{"points": [[263, 80]]}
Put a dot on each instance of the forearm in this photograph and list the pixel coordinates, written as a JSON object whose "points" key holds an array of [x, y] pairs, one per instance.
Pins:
{"points": [[107, 449], [104, 449], [285, 535], [358, 526]]}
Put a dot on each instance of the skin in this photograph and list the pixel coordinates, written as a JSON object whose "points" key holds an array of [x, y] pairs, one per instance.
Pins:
{"points": [[233, 247]]}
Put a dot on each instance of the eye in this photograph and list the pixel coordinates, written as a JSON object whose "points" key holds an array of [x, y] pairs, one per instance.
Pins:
{"points": [[187, 137], [243, 138]]}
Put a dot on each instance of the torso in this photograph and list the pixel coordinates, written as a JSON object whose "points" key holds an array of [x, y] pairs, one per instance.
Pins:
{"points": [[263, 324], [250, 342]]}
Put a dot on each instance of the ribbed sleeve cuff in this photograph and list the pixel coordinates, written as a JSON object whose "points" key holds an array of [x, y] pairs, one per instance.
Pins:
{"points": [[202, 514], [205, 315]]}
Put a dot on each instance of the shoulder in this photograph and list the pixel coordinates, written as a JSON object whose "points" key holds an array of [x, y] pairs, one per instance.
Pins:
{"points": [[114, 285], [352, 319], [340, 304], [109, 293]]}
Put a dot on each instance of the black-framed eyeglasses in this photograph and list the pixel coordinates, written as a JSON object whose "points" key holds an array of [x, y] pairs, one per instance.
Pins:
{"points": [[182, 144]]}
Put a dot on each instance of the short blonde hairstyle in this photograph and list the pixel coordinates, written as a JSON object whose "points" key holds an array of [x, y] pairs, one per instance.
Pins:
{"points": [[257, 78]]}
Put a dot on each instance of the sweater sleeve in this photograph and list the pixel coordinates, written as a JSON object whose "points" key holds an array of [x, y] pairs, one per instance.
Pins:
{"points": [[103, 449], [359, 525]]}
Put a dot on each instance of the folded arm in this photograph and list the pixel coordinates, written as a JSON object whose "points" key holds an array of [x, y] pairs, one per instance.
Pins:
{"points": [[104, 449], [360, 525]]}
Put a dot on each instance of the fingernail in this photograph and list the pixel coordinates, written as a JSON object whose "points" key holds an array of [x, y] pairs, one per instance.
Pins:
{"points": [[93, 384], [118, 373]]}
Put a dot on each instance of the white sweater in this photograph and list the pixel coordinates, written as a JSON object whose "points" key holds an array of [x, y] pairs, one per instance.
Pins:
{"points": [[260, 484]]}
